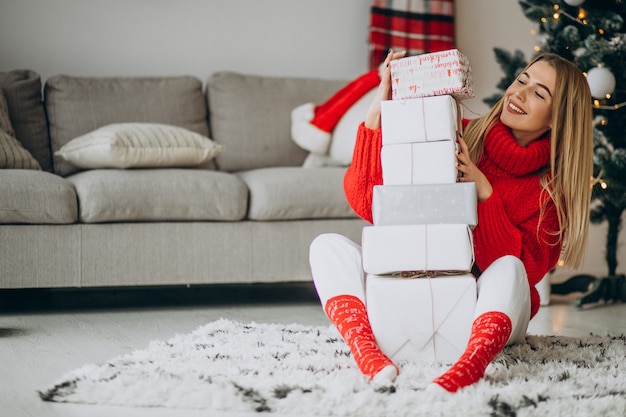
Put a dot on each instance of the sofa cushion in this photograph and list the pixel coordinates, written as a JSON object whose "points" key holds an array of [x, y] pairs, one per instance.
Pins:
{"points": [[5, 121], [251, 116], [112, 195], [77, 105], [139, 145], [288, 193], [22, 91], [12, 153], [36, 197]]}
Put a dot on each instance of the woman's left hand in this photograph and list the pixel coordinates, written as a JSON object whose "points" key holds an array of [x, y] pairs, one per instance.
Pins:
{"points": [[469, 172]]}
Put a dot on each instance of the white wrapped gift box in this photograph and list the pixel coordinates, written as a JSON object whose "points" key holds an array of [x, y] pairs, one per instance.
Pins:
{"points": [[419, 120], [438, 73], [425, 204], [418, 247], [423, 319], [419, 163]]}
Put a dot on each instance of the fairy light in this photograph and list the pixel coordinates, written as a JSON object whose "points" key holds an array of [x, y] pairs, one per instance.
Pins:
{"points": [[598, 180], [617, 106], [581, 17]]}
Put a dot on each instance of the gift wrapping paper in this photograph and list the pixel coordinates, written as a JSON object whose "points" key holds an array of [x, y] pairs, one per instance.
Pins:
{"points": [[419, 163], [425, 204], [421, 320], [419, 247], [438, 73], [419, 119]]}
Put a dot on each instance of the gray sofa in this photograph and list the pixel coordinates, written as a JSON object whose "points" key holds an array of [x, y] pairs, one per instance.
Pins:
{"points": [[246, 217]]}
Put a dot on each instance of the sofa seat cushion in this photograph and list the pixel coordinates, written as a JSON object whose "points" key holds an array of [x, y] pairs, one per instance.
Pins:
{"points": [[289, 193], [36, 197], [114, 195]]}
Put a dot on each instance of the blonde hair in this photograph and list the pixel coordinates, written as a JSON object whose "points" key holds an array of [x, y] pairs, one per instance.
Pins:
{"points": [[567, 178]]}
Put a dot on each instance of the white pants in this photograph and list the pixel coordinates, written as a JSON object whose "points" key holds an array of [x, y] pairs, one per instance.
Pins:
{"points": [[337, 269]]}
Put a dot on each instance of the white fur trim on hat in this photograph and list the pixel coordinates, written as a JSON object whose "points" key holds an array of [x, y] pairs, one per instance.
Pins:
{"points": [[305, 134]]}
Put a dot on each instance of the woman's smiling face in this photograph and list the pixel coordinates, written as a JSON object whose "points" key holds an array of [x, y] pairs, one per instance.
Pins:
{"points": [[527, 106]]}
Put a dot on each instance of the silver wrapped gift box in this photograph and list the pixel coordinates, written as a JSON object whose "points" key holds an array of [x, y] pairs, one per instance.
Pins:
{"points": [[425, 204]]}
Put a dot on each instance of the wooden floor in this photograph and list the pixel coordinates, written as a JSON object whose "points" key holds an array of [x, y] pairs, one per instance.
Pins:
{"points": [[44, 334]]}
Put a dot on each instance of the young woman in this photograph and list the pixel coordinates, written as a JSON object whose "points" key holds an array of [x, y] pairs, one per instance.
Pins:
{"points": [[531, 160]]}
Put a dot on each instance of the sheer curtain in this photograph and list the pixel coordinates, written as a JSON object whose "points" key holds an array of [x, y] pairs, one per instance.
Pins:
{"points": [[417, 26]]}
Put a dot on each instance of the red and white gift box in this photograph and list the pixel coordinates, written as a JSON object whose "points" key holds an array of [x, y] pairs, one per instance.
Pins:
{"points": [[425, 204], [424, 319], [418, 247], [438, 73], [419, 163], [419, 120]]}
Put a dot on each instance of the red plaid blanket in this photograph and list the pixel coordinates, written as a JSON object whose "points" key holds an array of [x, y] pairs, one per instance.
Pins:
{"points": [[417, 26]]}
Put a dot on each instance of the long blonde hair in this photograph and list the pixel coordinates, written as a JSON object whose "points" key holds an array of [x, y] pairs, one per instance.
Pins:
{"points": [[567, 179]]}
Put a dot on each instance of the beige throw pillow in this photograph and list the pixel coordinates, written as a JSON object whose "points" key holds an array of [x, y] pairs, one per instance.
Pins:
{"points": [[12, 154], [139, 145]]}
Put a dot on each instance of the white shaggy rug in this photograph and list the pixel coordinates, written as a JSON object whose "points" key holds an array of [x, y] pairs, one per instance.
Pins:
{"points": [[304, 370]]}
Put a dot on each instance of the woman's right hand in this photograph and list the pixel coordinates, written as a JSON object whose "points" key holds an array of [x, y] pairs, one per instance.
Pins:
{"points": [[372, 119]]}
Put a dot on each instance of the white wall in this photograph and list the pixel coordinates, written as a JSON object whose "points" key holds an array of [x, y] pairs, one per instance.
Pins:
{"points": [[482, 25], [325, 38], [321, 38]]}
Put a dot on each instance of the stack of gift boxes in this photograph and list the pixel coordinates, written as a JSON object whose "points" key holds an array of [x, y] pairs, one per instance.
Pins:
{"points": [[418, 253]]}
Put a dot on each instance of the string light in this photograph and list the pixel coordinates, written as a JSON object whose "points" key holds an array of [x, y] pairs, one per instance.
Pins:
{"points": [[597, 105], [582, 19], [599, 180]]}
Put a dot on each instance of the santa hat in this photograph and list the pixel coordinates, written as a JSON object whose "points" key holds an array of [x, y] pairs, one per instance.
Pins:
{"points": [[311, 125]]}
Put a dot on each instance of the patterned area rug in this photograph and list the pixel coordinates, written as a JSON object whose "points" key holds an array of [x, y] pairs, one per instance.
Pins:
{"points": [[305, 370]]}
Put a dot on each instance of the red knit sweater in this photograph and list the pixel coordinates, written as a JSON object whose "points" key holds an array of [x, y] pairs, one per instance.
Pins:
{"points": [[507, 221]]}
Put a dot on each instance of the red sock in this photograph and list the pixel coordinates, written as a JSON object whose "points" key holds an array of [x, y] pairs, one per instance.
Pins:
{"points": [[490, 333], [349, 315]]}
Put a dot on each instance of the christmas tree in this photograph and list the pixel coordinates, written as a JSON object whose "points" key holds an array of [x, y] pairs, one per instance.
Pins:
{"points": [[591, 34]]}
